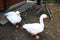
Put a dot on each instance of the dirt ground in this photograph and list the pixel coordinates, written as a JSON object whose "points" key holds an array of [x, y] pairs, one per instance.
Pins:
{"points": [[51, 32]]}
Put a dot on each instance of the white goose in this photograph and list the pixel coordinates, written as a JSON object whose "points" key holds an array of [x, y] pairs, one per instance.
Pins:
{"points": [[35, 28], [14, 17]]}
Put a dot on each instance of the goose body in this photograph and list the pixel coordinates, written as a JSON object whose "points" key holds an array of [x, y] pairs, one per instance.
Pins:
{"points": [[13, 17], [35, 28]]}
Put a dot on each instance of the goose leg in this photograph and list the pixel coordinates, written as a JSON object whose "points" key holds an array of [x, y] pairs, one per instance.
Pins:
{"points": [[37, 37], [17, 26]]}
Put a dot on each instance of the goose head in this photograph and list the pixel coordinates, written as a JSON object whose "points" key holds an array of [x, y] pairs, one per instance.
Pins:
{"points": [[17, 12], [42, 17]]}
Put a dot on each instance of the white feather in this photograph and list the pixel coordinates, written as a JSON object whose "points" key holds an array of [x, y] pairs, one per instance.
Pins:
{"points": [[13, 17], [35, 28]]}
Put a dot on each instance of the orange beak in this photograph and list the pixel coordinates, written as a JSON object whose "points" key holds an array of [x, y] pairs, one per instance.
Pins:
{"points": [[19, 14], [47, 17]]}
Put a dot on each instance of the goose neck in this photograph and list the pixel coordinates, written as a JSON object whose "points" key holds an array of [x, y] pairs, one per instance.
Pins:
{"points": [[41, 20]]}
